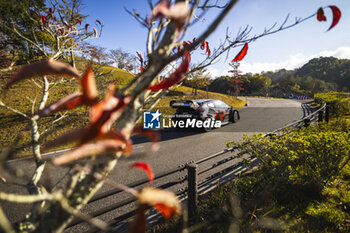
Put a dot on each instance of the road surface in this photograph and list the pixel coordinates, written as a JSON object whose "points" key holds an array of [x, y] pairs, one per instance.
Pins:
{"points": [[176, 147]]}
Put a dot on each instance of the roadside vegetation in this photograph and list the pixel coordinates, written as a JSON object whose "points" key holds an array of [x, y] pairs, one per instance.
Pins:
{"points": [[302, 183]]}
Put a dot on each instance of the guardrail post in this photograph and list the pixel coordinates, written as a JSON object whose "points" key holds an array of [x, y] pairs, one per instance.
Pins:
{"points": [[192, 181], [306, 123], [327, 112], [320, 116]]}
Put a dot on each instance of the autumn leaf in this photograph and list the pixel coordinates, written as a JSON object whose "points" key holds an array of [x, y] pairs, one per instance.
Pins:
{"points": [[74, 135], [95, 32], [111, 142], [88, 97], [177, 76], [78, 21], [98, 21], [241, 54], [43, 19], [86, 26], [90, 149], [105, 113], [140, 59], [203, 45], [68, 102], [336, 16], [164, 201], [88, 85], [146, 168], [179, 13], [149, 133], [47, 67], [320, 15]]}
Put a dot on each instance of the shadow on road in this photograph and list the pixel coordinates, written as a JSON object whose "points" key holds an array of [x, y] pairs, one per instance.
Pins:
{"points": [[169, 134]]}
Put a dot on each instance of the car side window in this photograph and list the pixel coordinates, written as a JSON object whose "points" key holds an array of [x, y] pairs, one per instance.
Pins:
{"points": [[220, 104], [210, 105]]}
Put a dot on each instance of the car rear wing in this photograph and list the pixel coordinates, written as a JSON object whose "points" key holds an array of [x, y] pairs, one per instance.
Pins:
{"points": [[183, 104]]}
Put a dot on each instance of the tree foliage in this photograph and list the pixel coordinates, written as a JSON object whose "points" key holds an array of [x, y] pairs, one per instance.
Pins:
{"points": [[198, 80], [328, 69], [123, 59], [15, 14]]}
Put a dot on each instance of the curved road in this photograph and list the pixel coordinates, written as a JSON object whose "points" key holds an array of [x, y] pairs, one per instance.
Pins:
{"points": [[176, 146]]}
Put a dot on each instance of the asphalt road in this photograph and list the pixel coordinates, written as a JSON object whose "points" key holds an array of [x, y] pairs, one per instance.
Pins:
{"points": [[176, 147]]}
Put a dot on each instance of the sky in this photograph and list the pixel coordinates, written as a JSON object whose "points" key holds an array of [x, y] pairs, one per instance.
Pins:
{"points": [[287, 49]]}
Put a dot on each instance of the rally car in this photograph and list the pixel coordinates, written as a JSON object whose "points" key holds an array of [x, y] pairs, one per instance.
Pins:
{"points": [[204, 109]]}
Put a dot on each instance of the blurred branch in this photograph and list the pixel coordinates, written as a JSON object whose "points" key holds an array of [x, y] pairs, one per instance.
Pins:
{"points": [[5, 224]]}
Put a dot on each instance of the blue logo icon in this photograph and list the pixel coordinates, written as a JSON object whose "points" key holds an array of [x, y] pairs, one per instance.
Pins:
{"points": [[151, 120]]}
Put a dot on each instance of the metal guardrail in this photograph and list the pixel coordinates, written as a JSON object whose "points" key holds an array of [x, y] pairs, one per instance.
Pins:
{"points": [[202, 175]]}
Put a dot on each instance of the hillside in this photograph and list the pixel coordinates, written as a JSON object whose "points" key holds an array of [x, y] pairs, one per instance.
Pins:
{"points": [[20, 95], [328, 69]]}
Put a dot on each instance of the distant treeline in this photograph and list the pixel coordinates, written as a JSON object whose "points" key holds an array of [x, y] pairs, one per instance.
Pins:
{"points": [[318, 75]]}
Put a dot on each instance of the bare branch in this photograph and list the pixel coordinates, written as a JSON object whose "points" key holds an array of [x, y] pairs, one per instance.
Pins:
{"points": [[14, 110]]}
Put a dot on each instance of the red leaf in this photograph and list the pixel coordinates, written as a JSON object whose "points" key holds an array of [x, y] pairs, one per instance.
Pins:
{"points": [[98, 21], [207, 50], [116, 135], [78, 21], [75, 135], [50, 10], [177, 76], [86, 26], [47, 67], [203, 45], [151, 134], [336, 16], [88, 85], [320, 15], [164, 201], [92, 149], [241, 54], [105, 114], [108, 103], [146, 168], [69, 102], [43, 19]]}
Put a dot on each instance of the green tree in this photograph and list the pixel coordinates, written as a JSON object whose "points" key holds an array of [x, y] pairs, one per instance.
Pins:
{"points": [[256, 83], [14, 13], [198, 79]]}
